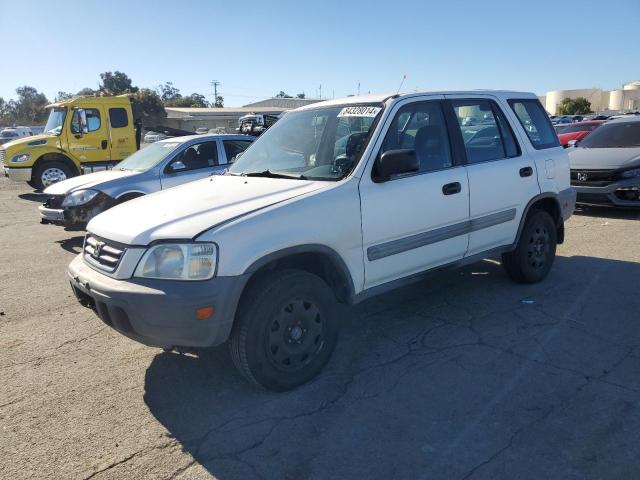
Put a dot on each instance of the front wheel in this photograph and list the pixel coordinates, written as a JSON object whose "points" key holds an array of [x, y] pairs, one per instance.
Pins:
{"points": [[48, 173], [535, 252], [285, 330]]}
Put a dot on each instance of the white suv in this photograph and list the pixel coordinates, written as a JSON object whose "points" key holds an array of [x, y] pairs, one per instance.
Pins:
{"points": [[338, 201]]}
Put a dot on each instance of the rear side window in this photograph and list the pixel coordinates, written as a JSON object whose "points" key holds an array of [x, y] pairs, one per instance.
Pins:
{"points": [[233, 147], [118, 117], [486, 134], [535, 122]]}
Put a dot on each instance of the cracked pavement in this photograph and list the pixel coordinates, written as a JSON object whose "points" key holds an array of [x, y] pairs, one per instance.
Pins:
{"points": [[463, 376]]}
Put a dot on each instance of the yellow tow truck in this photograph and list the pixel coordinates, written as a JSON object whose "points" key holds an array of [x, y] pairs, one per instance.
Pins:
{"points": [[82, 135]]}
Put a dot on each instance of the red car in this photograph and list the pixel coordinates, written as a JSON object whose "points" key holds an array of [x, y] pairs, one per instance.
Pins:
{"points": [[576, 131]]}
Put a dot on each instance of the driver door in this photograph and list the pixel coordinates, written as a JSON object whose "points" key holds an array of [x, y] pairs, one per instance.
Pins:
{"points": [[88, 135], [194, 162]]}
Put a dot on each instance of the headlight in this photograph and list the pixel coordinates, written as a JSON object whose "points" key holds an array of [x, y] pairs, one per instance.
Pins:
{"points": [[179, 261], [631, 173], [79, 197], [21, 158]]}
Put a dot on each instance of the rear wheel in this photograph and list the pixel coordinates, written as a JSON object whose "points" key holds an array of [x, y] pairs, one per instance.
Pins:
{"points": [[285, 330], [47, 173], [533, 257]]}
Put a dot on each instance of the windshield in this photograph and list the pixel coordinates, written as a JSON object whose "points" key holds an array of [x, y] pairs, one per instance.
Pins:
{"points": [[55, 121], [614, 135], [319, 144], [148, 157], [7, 134]]}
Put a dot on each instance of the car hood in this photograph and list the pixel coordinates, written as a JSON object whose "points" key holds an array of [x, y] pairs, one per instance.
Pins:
{"points": [[87, 181], [603, 158], [185, 211]]}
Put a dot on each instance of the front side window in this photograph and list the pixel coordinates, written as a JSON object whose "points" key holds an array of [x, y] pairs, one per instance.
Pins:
{"points": [[614, 135], [233, 147], [55, 121], [93, 120], [536, 123], [485, 131], [118, 117], [317, 144], [421, 126], [200, 155]]}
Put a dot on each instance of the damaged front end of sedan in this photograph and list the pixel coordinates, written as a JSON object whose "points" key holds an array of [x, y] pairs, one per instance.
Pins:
{"points": [[74, 210]]}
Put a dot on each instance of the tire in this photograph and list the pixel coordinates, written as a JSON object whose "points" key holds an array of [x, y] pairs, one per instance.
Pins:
{"points": [[32, 184], [535, 252], [285, 330], [47, 173]]}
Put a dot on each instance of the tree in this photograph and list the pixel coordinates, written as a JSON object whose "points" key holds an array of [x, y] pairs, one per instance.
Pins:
{"points": [[148, 108], [116, 83], [7, 112], [30, 106], [195, 100], [168, 92], [87, 92], [219, 101], [574, 106], [301, 95], [63, 96], [281, 94]]}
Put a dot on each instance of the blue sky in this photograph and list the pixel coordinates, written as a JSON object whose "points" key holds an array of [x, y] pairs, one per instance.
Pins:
{"points": [[256, 49]]}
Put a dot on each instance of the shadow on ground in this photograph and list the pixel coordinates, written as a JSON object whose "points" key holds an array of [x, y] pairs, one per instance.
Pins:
{"points": [[34, 197], [463, 376], [608, 212], [72, 244]]}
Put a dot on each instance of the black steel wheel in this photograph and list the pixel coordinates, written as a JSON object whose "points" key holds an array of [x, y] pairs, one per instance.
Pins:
{"points": [[285, 329], [535, 252]]}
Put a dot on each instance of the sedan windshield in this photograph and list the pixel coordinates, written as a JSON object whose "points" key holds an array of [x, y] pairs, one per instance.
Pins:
{"points": [[317, 144], [148, 157], [55, 121], [614, 135]]}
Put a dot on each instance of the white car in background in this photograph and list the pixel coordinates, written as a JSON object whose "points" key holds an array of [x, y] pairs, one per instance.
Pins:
{"points": [[153, 137], [13, 133]]}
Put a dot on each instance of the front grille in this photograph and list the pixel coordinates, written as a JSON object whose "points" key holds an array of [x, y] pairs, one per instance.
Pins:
{"points": [[595, 178], [2, 154], [103, 254]]}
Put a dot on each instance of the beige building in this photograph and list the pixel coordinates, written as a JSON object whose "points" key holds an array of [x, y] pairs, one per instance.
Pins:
{"points": [[624, 99]]}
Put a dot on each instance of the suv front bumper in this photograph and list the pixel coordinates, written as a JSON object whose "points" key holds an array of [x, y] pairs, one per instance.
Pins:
{"points": [[159, 313], [625, 193], [22, 174]]}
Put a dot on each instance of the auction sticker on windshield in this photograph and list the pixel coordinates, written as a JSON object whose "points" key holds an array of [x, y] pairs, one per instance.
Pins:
{"points": [[359, 111]]}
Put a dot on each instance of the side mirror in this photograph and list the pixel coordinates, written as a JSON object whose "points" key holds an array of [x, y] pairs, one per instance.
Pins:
{"points": [[177, 166], [573, 143], [396, 162]]}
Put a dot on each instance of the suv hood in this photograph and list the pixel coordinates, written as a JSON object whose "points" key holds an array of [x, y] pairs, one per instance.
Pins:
{"points": [[86, 181], [603, 158], [185, 211]]}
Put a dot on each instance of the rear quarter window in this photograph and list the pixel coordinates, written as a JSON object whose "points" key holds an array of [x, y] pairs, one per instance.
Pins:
{"points": [[536, 123]]}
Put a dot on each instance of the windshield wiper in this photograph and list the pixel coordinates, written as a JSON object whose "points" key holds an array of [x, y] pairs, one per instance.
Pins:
{"points": [[270, 174]]}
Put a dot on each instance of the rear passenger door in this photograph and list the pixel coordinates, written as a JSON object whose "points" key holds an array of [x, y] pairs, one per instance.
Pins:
{"points": [[197, 161], [502, 177]]}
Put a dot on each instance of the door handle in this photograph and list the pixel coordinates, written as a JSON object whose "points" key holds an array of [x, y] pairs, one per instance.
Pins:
{"points": [[104, 144], [526, 172], [451, 188]]}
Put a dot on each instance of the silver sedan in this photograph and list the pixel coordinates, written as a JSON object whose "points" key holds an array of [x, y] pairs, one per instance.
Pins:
{"points": [[164, 164]]}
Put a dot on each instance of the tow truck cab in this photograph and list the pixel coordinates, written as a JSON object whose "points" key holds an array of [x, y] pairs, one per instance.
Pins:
{"points": [[82, 135]]}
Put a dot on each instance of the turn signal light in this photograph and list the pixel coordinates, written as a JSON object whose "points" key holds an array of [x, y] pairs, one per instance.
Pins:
{"points": [[204, 313]]}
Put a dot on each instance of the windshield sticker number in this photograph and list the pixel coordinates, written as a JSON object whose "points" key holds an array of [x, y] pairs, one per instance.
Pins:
{"points": [[359, 111]]}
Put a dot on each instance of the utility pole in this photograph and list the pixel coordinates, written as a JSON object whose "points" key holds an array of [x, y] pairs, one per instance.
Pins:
{"points": [[358, 88], [320, 91], [215, 84]]}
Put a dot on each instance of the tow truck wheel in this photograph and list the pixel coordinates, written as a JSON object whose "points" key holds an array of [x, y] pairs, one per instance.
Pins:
{"points": [[285, 329], [48, 173]]}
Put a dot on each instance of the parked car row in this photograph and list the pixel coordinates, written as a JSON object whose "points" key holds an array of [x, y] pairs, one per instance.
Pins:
{"points": [[9, 134]]}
